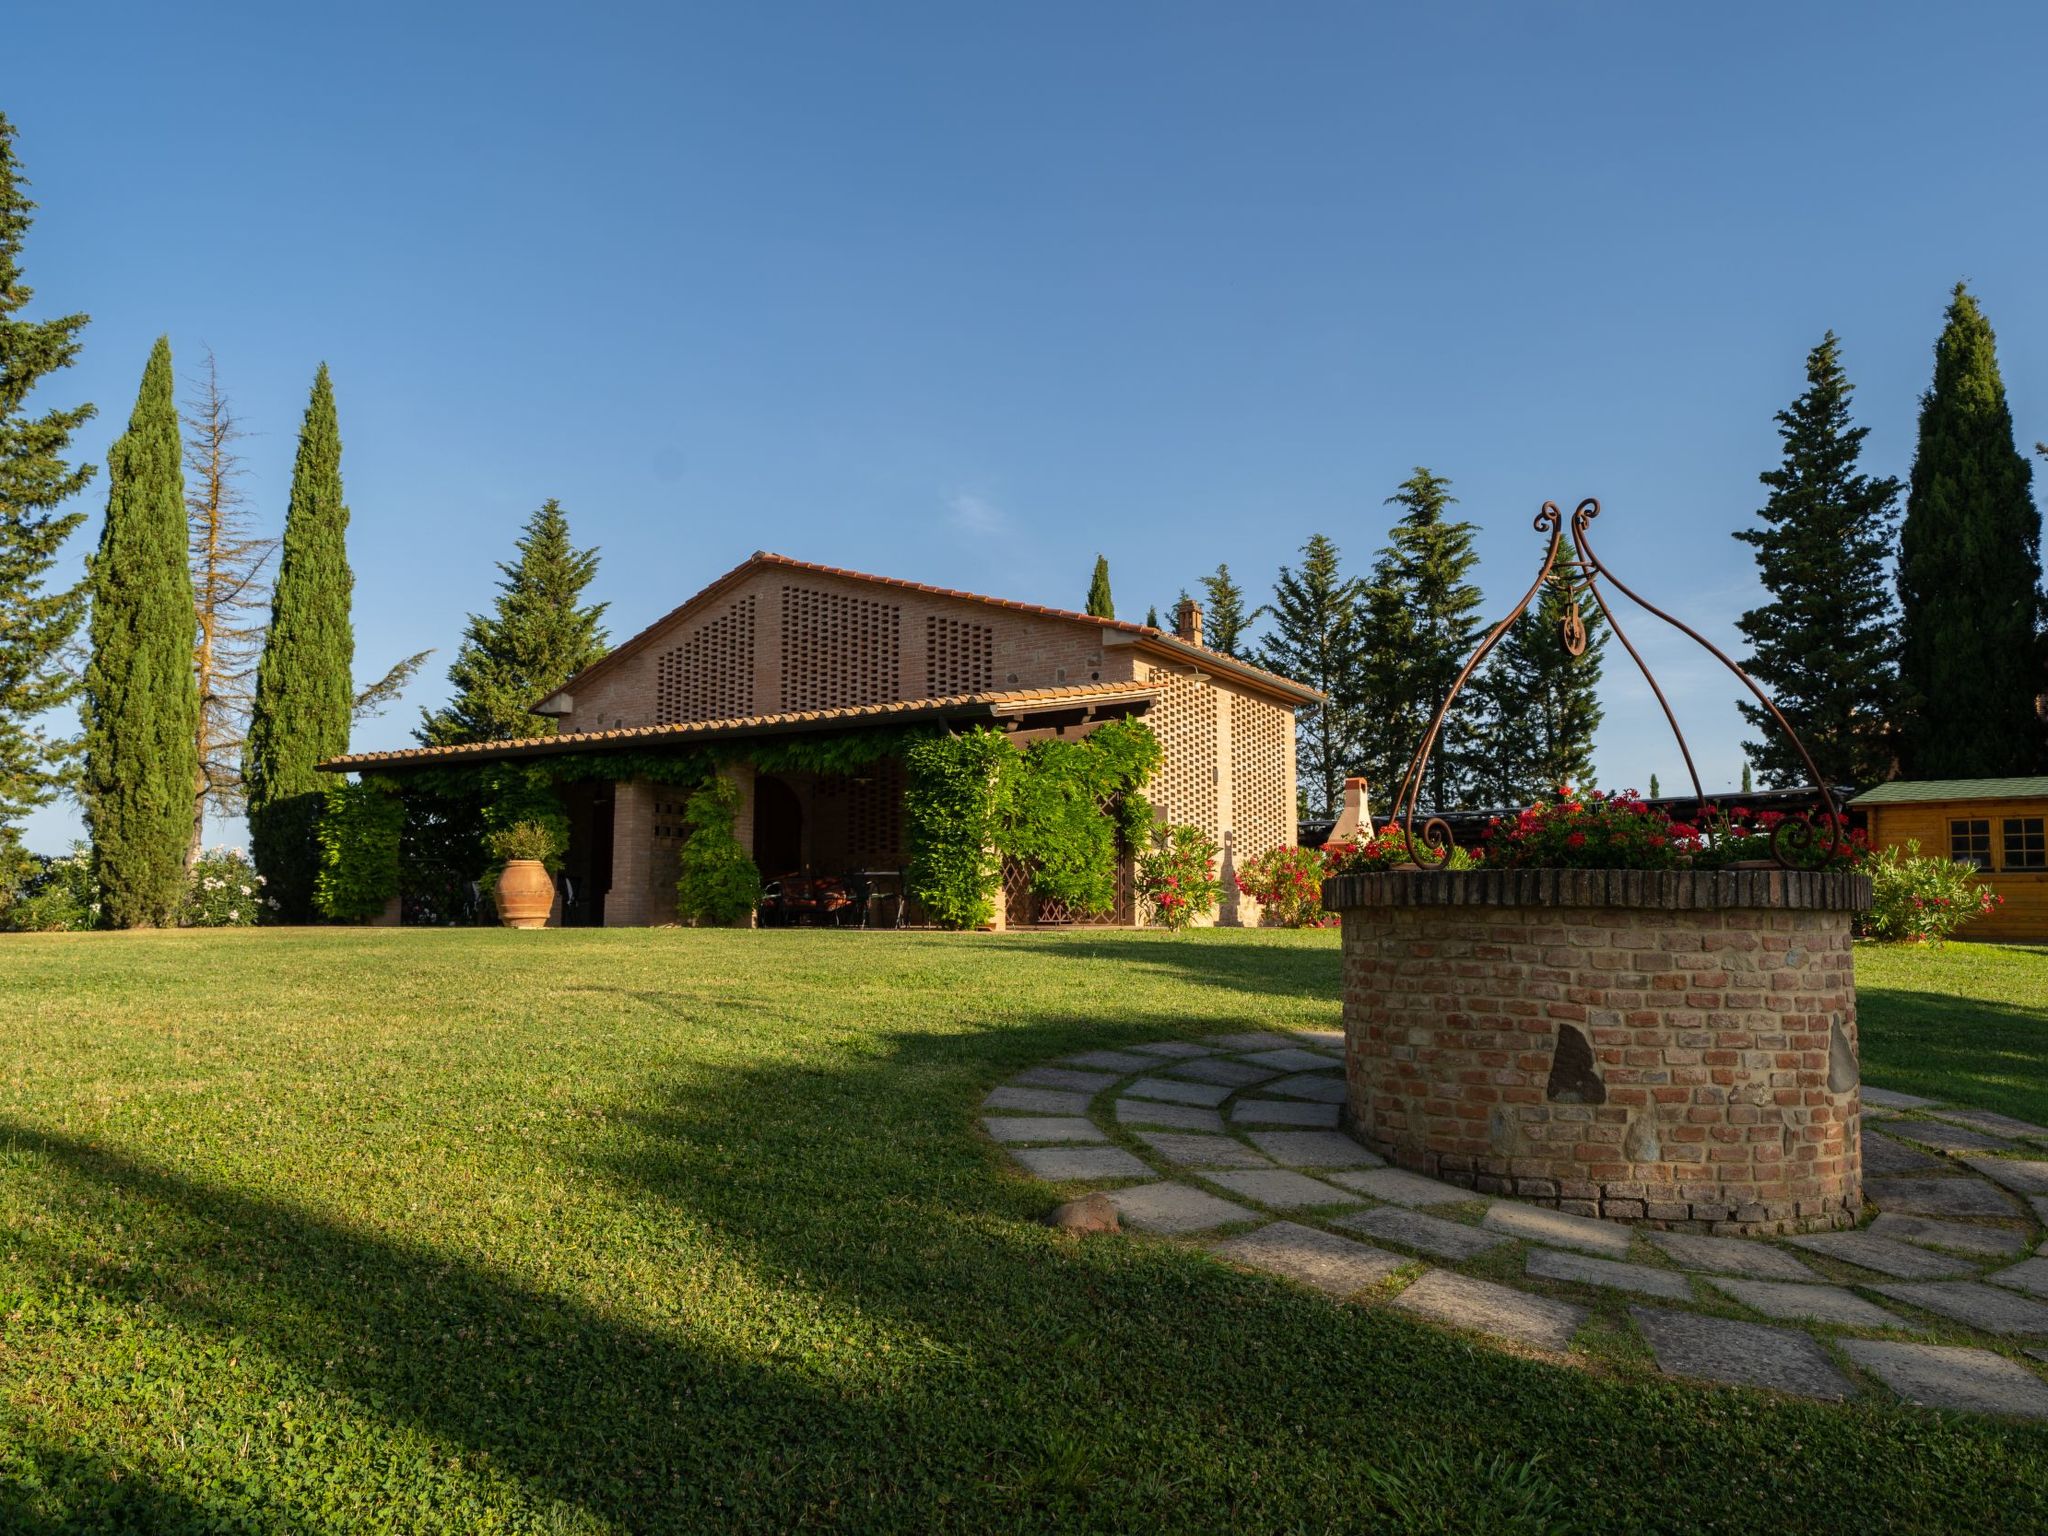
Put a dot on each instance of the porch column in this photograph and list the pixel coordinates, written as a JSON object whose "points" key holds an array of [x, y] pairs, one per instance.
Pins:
{"points": [[628, 903]]}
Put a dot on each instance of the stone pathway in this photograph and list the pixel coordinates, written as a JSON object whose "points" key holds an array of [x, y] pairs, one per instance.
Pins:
{"points": [[1232, 1140]]}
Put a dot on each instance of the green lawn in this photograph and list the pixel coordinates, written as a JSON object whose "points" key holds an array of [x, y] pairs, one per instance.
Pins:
{"points": [[488, 1231]]}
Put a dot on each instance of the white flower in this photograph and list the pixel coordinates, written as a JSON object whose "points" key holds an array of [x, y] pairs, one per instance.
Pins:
{"points": [[247, 892], [273, 903], [261, 881], [234, 916]]}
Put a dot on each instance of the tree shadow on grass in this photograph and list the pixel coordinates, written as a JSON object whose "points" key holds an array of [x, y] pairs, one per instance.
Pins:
{"points": [[1965, 1051], [1260, 966]]}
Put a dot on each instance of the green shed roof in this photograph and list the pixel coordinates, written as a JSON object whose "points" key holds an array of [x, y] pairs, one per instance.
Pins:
{"points": [[1910, 791]]}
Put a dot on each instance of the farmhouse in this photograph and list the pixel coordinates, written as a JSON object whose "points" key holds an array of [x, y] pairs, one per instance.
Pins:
{"points": [[1997, 826], [779, 649]]}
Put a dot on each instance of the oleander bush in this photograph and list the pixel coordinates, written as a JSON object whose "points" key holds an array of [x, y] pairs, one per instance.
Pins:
{"points": [[53, 894], [1915, 898], [1177, 875], [224, 891], [1287, 883]]}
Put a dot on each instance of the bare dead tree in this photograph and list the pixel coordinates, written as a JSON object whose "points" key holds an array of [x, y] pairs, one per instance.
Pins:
{"points": [[230, 592]]}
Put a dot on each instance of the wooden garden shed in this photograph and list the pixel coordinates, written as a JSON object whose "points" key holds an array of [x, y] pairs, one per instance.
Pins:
{"points": [[1999, 826]]}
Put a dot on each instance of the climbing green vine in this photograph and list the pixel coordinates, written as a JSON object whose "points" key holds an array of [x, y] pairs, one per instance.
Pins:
{"points": [[358, 835], [717, 883]]}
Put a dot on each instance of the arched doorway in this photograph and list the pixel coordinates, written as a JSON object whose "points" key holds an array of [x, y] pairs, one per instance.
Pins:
{"points": [[778, 828]]}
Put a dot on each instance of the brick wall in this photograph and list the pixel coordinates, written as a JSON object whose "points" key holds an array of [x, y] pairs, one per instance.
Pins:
{"points": [[1690, 1067]]}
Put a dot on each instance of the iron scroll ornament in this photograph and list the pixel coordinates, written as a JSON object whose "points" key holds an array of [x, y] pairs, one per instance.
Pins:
{"points": [[1580, 574]]}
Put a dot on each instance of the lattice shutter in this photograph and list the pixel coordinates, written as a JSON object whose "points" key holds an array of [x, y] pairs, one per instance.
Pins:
{"points": [[839, 649], [960, 657], [710, 676], [1185, 719], [874, 817], [1261, 794]]}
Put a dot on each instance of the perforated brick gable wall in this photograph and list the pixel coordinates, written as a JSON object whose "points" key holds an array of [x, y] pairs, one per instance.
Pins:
{"points": [[710, 675]]}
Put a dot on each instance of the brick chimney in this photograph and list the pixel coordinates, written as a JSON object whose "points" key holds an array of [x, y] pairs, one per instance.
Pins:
{"points": [[1187, 621]]}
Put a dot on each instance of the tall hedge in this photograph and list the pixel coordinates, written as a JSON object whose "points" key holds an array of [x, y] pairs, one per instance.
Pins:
{"points": [[358, 836]]}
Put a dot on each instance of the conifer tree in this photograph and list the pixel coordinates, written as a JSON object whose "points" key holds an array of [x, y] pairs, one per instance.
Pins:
{"points": [[1655, 792], [1535, 706], [1225, 622], [1316, 639], [1823, 646], [1152, 617], [304, 696], [142, 703], [1100, 604], [1970, 659], [1421, 624], [36, 624], [539, 636], [1747, 784]]}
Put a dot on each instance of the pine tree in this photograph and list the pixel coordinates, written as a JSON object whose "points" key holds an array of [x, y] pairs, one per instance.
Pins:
{"points": [[1421, 624], [1535, 706], [36, 624], [537, 639], [141, 700], [1100, 604], [1823, 647], [304, 696], [1315, 639], [1225, 622], [1970, 659]]}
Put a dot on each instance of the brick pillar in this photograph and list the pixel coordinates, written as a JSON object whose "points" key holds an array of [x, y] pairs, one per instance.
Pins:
{"points": [[742, 777], [627, 903]]}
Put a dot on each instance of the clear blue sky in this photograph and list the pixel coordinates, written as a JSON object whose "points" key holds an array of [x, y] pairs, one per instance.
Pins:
{"points": [[968, 293]]}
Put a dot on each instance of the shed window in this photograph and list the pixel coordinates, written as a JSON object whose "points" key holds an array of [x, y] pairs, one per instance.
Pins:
{"points": [[2026, 842], [1969, 842]]}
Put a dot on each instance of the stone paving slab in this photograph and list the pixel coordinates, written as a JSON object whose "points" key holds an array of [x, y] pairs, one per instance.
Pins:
{"points": [[1540, 1224], [1312, 1149], [1193, 1151], [1009, 1128], [1549, 1264], [1178, 1117], [1808, 1303], [1883, 1155], [1731, 1256], [1983, 1307], [1174, 1048], [1995, 1123], [1332, 1264], [1890, 1100], [1883, 1254], [1249, 1040], [1208, 1095], [1037, 1101], [1119, 1062], [1213, 1069], [1739, 1354], [1445, 1296], [1282, 1188], [2020, 1175], [1175, 1208], [1291, 1059], [1403, 1188], [1331, 1038], [1942, 1376], [1431, 1234], [1282, 1112], [1064, 1077], [1960, 1235], [1950, 1138], [1938, 1197], [2030, 1276], [1063, 1163], [1323, 1087], [2040, 1205]]}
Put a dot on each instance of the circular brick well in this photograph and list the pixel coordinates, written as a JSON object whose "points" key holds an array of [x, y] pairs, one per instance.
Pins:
{"points": [[1669, 1046]]}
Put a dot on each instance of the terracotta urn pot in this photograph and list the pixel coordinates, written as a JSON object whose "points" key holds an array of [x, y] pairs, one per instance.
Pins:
{"points": [[526, 894]]}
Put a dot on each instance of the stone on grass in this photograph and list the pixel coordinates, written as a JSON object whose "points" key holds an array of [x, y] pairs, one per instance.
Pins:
{"points": [[1206, 1094], [1323, 1087], [1960, 1235], [1431, 1234], [1938, 1197], [1942, 1376], [1334, 1265], [1808, 1303], [2030, 1276], [1403, 1188], [1178, 1117], [1282, 1112], [1009, 1128], [1549, 1264], [1119, 1062], [1094, 1212], [1312, 1149], [1290, 1059], [1064, 1077], [1174, 1048], [1037, 1101], [1731, 1256], [1890, 1100], [1194, 1151], [1950, 1138], [1251, 1040], [2021, 1175], [1882, 1254], [1210, 1069], [1883, 1155], [1542, 1225], [1282, 1189], [1444, 1296], [1058, 1164], [1175, 1208], [1983, 1307], [1996, 1124], [1739, 1354]]}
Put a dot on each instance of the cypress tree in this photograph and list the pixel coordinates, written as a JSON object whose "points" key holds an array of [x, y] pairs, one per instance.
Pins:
{"points": [[1536, 707], [1655, 792], [1970, 659], [1747, 785], [142, 700], [36, 625], [1225, 622], [1823, 647], [1100, 604], [1422, 621], [1152, 617], [538, 637], [304, 696], [1316, 639]]}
